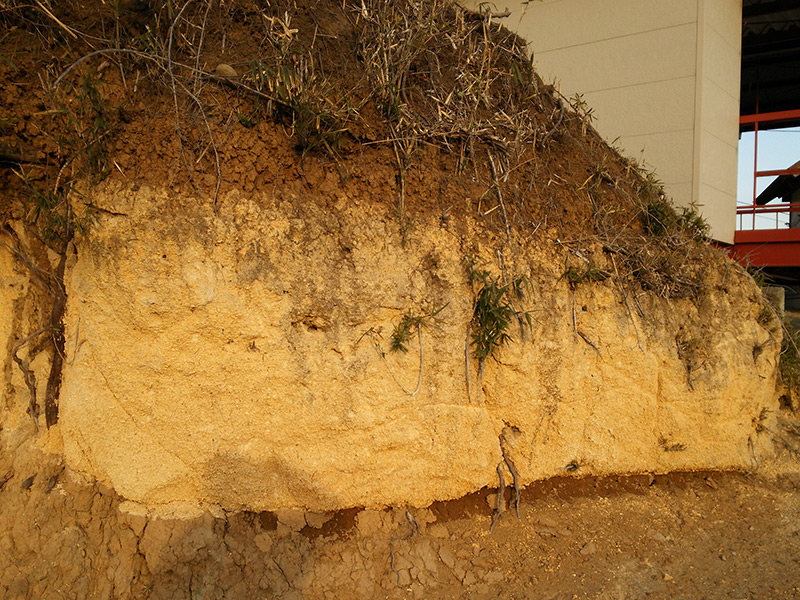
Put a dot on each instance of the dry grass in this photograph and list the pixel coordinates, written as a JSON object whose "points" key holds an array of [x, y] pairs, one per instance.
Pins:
{"points": [[433, 73]]}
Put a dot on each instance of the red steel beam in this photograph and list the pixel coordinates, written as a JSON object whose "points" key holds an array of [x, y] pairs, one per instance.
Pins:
{"points": [[768, 236], [780, 254], [781, 115], [778, 172]]}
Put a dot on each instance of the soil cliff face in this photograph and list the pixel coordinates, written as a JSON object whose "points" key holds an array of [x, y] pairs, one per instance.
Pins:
{"points": [[243, 360], [368, 259], [356, 255]]}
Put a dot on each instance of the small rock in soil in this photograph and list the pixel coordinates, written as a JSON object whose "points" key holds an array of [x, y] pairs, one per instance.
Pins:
{"points": [[546, 532], [655, 535], [317, 520], [263, 542], [369, 522], [225, 70], [494, 577], [294, 519], [51, 484], [547, 522], [447, 556]]}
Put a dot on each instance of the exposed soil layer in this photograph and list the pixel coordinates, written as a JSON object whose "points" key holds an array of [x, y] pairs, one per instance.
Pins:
{"points": [[124, 120], [143, 115]]}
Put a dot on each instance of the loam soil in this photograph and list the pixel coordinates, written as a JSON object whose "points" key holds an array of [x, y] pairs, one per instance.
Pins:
{"points": [[680, 535]]}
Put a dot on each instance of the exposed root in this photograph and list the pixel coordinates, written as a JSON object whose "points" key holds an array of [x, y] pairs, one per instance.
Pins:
{"points": [[555, 127], [54, 283], [28, 375], [419, 373], [588, 341], [501, 496], [574, 319], [512, 470], [44, 277], [406, 391], [413, 530], [374, 335], [499, 191], [57, 327], [627, 304], [402, 169], [515, 482], [751, 447], [501, 490]]}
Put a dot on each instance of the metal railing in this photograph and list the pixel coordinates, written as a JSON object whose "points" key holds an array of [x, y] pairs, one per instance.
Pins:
{"points": [[757, 119], [767, 210], [757, 213]]}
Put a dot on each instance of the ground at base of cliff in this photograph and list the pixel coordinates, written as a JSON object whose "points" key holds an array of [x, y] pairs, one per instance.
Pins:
{"points": [[683, 535]]}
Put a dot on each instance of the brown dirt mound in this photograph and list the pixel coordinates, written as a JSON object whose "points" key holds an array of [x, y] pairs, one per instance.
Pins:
{"points": [[406, 83], [442, 104]]}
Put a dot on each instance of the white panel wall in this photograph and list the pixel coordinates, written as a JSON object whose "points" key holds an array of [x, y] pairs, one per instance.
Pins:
{"points": [[717, 102]]}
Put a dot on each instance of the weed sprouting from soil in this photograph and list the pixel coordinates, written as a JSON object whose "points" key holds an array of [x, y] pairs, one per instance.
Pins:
{"points": [[493, 311], [408, 325], [662, 219], [292, 87], [586, 274]]}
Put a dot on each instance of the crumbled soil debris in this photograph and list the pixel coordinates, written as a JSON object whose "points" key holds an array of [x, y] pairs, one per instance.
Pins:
{"points": [[683, 535]]}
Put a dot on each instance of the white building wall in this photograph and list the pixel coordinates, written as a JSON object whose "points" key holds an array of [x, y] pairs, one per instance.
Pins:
{"points": [[662, 78], [717, 123]]}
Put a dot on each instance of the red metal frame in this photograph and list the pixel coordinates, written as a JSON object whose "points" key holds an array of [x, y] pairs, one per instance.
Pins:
{"points": [[778, 247], [770, 117], [766, 253], [766, 209], [767, 247], [793, 171], [783, 115]]}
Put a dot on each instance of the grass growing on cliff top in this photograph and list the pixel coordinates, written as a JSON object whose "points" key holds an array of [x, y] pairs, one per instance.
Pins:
{"points": [[403, 75]]}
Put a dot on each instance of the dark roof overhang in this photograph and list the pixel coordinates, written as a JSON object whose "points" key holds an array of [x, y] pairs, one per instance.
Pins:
{"points": [[770, 59]]}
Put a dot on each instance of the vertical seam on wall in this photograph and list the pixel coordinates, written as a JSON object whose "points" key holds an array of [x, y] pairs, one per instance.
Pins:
{"points": [[698, 102]]}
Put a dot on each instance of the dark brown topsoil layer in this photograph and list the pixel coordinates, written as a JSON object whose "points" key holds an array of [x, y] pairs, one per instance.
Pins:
{"points": [[461, 108]]}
